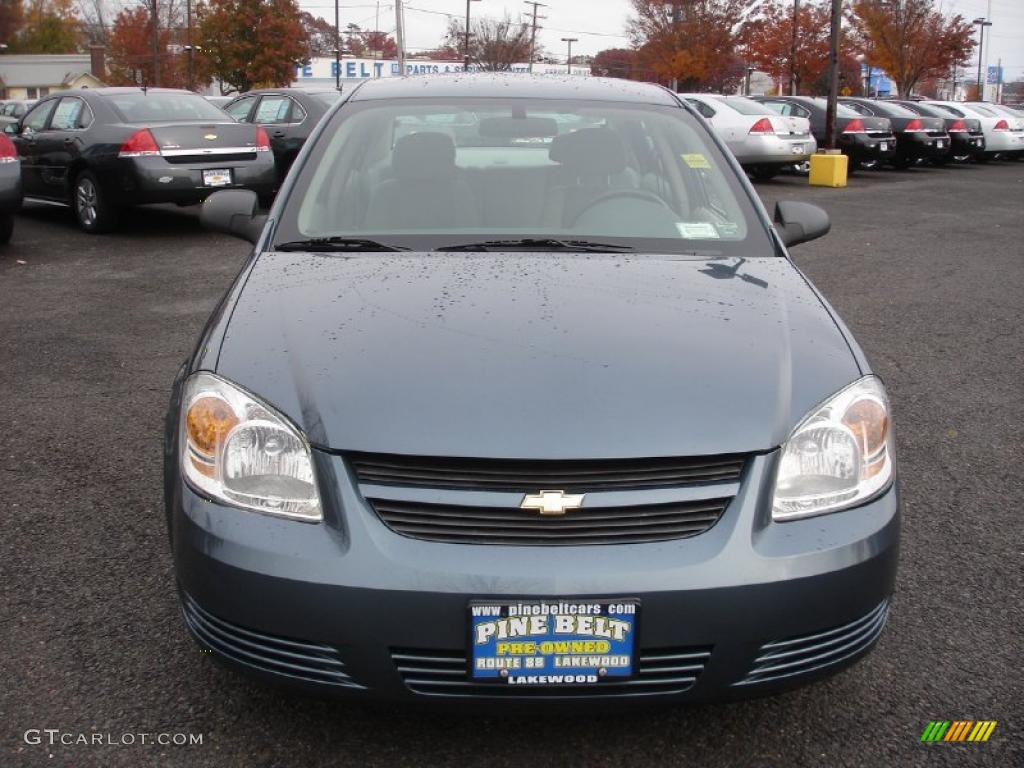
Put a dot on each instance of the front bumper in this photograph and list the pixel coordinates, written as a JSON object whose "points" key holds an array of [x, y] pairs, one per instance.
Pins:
{"points": [[351, 607], [143, 180]]}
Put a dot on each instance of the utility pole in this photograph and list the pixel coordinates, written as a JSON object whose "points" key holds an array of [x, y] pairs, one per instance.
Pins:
{"points": [[676, 12], [570, 41], [337, 47], [833, 75], [533, 32], [792, 50], [156, 43], [999, 80], [188, 39], [400, 36], [465, 51]]}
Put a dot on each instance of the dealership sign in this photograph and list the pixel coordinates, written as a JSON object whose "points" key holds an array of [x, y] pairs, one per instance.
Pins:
{"points": [[365, 69]]}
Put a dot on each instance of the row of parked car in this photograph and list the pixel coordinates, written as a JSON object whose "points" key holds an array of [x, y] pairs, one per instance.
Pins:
{"points": [[768, 134], [101, 150]]}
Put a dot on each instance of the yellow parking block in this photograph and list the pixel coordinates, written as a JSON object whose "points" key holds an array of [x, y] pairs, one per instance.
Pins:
{"points": [[828, 169]]}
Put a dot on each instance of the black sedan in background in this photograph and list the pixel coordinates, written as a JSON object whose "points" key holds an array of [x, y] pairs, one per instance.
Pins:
{"points": [[867, 141], [288, 115], [966, 139], [917, 137], [102, 149], [10, 187]]}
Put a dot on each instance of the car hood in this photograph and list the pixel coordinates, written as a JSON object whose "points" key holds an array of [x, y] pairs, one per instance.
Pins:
{"points": [[535, 355]]}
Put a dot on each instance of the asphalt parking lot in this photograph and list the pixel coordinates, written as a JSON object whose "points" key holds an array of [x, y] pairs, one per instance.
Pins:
{"points": [[926, 266]]}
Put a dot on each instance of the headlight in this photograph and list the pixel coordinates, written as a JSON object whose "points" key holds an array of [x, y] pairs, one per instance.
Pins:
{"points": [[239, 450], [841, 455]]}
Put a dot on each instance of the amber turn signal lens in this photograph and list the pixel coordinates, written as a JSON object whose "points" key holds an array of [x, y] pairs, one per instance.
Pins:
{"points": [[209, 419], [869, 423]]}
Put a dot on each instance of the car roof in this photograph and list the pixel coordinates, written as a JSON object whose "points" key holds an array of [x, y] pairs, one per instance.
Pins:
{"points": [[284, 89], [513, 86]]}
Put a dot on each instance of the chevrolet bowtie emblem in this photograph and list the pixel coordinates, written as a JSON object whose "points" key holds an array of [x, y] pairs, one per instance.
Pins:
{"points": [[552, 502], [210, 137]]}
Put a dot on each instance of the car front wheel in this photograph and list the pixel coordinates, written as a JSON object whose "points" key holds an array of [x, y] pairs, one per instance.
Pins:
{"points": [[93, 212]]}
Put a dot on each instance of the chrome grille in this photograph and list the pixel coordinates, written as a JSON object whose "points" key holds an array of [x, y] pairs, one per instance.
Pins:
{"points": [[303, 660], [512, 526], [660, 672], [528, 476], [810, 653]]}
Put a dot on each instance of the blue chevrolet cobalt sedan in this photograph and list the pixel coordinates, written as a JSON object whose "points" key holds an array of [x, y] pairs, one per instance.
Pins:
{"points": [[520, 397]]}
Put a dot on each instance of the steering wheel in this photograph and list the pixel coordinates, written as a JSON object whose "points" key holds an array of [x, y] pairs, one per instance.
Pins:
{"points": [[635, 194]]}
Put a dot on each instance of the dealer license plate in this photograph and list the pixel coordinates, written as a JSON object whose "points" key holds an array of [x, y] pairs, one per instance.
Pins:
{"points": [[883, 146], [798, 149], [552, 642], [217, 177]]}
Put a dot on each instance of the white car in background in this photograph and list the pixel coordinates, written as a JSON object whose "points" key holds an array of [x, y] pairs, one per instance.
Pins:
{"points": [[763, 141], [1004, 133]]}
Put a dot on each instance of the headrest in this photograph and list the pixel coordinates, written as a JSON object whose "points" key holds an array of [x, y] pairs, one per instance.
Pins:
{"points": [[422, 156], [597, 151]]}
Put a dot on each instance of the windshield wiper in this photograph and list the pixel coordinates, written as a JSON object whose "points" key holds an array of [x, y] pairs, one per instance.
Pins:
{"points": [[336, 244], [540, 244]]}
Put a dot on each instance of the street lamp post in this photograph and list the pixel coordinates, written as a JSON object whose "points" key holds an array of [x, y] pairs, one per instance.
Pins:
{"points": [[570, 41], [833, 75], [746, 85], [982, 23], [465, 64]]}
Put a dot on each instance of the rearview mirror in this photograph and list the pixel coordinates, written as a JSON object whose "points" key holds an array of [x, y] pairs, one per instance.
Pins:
{"points": [[800, 222], [233, 212]]}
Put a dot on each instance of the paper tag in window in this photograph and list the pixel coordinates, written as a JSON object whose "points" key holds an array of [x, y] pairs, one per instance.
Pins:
{"points": [[697, 230], [696, 161]]}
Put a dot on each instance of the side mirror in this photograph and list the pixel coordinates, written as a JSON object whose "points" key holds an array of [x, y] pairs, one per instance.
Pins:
{"points": [[12, 128], [233, 212], [800, 222]]}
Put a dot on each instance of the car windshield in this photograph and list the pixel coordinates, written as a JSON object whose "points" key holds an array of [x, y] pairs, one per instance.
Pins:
{"points": [[982, 110], [746, 106], [156, 107], [425, 175]]}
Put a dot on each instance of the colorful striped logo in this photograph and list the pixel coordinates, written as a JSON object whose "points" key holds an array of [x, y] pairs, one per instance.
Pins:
{"points": [[958, 730]]}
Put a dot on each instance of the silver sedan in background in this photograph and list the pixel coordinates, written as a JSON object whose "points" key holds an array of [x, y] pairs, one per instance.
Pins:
{"points": [[763, 141]]}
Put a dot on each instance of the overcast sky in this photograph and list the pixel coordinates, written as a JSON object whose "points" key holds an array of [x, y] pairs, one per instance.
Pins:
{"points": [[601, 24]]}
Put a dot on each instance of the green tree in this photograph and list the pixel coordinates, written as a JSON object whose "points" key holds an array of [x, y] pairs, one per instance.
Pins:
{"points": [[51, 26], [251, 43]]}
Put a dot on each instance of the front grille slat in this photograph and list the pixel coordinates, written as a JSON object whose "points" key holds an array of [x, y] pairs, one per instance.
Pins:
{"points": [[809, 653], [444, 673], [309, 662], [527, 475], [605, 525]]}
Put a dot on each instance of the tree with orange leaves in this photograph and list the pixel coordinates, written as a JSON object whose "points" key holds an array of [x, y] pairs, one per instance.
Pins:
{"points": [[251, 43], [769, 42], [691, 42], [130, 47], [910, 39]]}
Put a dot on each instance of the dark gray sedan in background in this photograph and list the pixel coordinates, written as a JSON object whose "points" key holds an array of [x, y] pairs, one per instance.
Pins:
{"points": [[100, 150], [538, 409]]}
